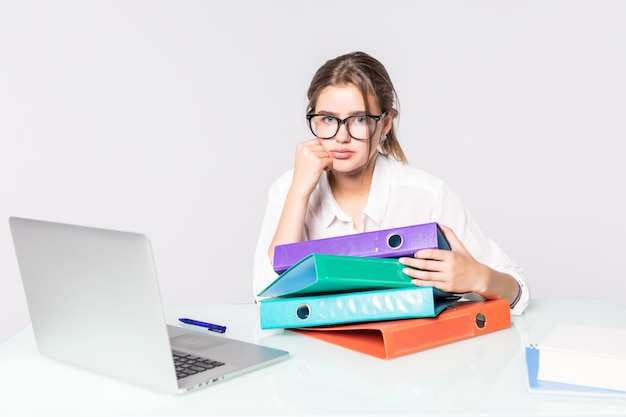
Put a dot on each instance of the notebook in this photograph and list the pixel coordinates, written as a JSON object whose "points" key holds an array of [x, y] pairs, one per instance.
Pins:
{"points": [[94, 302]]}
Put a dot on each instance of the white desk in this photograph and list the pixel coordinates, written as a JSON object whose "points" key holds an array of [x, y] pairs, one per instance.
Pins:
{"points": [[483, 376]]}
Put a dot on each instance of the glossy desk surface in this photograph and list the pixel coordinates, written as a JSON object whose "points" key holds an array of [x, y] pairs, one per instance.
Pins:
{"points": [[483, 376]]}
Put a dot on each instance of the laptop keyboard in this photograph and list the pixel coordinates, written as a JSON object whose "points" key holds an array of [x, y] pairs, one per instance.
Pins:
{"points": [[187, 365]]}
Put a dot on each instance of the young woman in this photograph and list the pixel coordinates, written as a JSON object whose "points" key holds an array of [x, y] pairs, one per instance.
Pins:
{"points": [[353, 177]]}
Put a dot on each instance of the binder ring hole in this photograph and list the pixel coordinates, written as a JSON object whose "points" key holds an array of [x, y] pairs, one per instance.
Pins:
{"points": [[394, 241], [480, 320], [303, 311]]}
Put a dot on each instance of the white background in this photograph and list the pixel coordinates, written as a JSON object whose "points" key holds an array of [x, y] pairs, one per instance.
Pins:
{"points": [[172, 118]]}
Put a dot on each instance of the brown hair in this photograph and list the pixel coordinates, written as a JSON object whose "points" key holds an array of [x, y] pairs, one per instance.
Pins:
{"points": [[369, 76]]}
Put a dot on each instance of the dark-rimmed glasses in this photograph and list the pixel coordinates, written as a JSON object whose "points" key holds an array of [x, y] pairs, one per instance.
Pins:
{"points": [[360, 127]]}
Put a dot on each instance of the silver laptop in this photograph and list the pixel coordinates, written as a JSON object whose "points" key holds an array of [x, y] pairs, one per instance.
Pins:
{"points": [[94, 302]]}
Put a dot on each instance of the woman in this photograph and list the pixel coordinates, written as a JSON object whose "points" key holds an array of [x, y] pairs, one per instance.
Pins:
{"points": [[353, 177]]}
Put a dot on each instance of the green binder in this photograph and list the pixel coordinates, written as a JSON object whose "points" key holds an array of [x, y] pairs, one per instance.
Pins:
{"points": [[328, 274]]}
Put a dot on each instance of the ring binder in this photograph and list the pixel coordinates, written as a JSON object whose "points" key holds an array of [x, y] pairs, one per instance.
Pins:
{"points": [[385, 243], [353, 307], [323, 274], [390, 339]]}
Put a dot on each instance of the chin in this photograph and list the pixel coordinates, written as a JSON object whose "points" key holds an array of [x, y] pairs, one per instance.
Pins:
{"points": [[348, 169], [351, 165]]}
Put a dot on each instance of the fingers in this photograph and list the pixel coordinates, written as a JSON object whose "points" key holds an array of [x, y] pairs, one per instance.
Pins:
{"points": [[432, 265], [311, 160], [434, 254], [422, 278], [430, 278], [449, 270], [311, 154], [428, 267]]}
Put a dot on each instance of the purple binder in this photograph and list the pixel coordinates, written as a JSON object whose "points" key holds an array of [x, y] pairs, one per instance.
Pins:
{"points": [[386, 243]]}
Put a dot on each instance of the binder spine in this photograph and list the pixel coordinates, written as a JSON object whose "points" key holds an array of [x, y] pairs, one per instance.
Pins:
{"points": [[484, 317], [387, 243], [311, 311], [324, 274], [389, 339], [431, 335]]}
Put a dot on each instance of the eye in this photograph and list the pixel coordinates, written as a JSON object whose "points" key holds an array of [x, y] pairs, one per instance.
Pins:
{"points": [[328, 119], [360, 120]]}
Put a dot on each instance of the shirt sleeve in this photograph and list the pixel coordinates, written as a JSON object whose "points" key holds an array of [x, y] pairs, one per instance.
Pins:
{"points": [[451, 212], [263, 271]]}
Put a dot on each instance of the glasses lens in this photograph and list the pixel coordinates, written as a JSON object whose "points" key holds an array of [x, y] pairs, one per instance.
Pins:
{"points": [[324, 127], [361, 127]]}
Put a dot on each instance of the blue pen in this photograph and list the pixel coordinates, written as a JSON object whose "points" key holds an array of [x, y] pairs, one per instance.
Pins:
{"points": [[212, 327]]}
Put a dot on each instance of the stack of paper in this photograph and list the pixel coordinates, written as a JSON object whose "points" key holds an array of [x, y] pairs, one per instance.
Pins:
{"points": [[579, 359]]}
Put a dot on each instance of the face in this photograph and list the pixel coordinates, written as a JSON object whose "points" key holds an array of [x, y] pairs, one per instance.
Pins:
{"points": [[349, 155]]}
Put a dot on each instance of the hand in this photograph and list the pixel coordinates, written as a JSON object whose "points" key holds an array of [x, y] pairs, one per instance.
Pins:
{"points": [[452, 270], [311, 160]]}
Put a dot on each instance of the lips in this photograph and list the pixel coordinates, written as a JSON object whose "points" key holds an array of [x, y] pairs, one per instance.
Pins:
{"points": [[341, 153]]}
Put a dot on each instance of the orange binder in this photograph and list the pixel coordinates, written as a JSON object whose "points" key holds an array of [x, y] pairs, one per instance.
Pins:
{"points": [[389, 339]]}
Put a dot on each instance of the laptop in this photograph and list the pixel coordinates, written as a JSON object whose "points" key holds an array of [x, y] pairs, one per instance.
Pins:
{"points": [[94, 302]]}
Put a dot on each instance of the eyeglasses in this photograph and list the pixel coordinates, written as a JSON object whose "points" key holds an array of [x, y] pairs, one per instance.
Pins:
{"points": [[360, 127]]}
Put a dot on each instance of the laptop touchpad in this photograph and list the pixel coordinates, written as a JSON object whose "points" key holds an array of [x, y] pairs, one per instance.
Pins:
{"points": [[195, 342]]}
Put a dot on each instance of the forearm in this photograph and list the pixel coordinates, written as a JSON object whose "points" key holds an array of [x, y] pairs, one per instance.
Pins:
{"points": [[496, 284], [290, 227]]}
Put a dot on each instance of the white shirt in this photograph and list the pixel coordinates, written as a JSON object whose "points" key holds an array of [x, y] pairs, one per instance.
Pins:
{"points": [[399, 196]]}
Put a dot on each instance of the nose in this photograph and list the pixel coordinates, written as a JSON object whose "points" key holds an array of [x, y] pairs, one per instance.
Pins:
{"points": [[342, 135]]}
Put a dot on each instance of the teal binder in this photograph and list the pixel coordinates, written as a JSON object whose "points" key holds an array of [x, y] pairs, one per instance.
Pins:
{"points": [[354, 307], [327, 274]]}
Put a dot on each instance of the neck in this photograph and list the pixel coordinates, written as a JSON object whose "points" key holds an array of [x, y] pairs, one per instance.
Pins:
{"points": [[352, 184]]}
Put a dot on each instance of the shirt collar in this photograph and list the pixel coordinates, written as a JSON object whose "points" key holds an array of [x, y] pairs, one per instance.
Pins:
{"points": [[376, 203]]}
